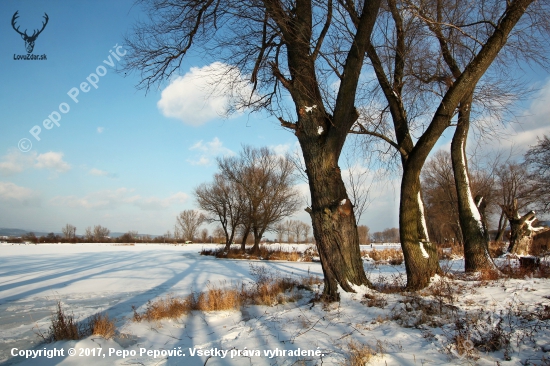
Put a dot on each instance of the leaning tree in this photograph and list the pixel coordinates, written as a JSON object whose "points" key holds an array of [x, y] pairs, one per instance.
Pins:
{"points": [[411, 55]]}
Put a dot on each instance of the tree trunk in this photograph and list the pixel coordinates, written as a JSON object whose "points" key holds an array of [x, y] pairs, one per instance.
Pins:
{"points": [[421, 260], [474, 230], [501, 227], [521, 231], [334, 225], [246, 231]]}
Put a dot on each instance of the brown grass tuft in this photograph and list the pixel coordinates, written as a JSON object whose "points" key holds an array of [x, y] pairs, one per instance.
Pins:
{"points": [[64, 327], [101, 325], [391, 255], [358, 354]]}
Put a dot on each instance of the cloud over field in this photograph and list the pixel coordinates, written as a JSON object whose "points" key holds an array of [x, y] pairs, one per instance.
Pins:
{"points": [[16, 162], [204, 93]]}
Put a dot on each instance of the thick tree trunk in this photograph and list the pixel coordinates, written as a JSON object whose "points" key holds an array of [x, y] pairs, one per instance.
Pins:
{"points": [[334, 225], [421, 260], [521, 231], [474, 230], [246, 232]]}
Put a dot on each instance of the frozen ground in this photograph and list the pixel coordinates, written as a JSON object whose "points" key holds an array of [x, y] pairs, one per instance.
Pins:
{"points": [[407, 330]]}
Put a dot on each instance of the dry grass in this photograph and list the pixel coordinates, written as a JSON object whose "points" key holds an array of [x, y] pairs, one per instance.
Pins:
{"points": [[166, 307], [451, 252], [101, 325], [64, 327], [497, 248], [512, 269], [265, 252], [358, 354], [391, 255], [217, 299], [269, 288]]}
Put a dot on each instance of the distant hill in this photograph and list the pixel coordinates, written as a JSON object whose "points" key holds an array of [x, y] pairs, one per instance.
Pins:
{"points": [[20, 232]]}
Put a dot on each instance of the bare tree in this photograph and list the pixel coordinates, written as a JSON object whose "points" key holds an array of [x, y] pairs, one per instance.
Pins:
{"points": [[409, 54], [363, 231], [204, 235], [100, 233], [266, 181], [189, 221], [298, 48], [280, 229], [69, 231], [298, 229], [225, 202], [89, 234], [307, 229]]}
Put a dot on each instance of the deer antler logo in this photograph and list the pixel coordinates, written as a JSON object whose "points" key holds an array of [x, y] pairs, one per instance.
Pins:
{"points": [[29, 40]]}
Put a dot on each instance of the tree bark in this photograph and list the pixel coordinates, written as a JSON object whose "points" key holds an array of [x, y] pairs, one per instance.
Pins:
{"points": [[474, 230], [334, 224], [521, 231], [421, 260]]}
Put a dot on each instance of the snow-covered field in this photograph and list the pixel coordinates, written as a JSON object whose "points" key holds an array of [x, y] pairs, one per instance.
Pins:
{"points": [[405, 330]]}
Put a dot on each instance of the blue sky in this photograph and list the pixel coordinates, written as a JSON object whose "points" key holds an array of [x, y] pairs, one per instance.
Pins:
{"points": [[117, 158]]}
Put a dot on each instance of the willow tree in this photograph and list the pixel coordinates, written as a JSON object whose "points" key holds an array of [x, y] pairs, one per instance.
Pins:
{"points": [[312, 51], [420, 98]]}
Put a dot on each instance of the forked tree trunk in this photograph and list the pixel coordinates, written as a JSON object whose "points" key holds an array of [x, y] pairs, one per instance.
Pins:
{"points": [[334, 225], [521, 231], [472, 224], [421, 260]]}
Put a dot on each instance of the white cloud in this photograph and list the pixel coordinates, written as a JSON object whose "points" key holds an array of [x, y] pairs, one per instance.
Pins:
{"points": [[204, 94], [208, 150], [111, 199], [14, 194], [15, 162], [52, 160], [100, 129]]}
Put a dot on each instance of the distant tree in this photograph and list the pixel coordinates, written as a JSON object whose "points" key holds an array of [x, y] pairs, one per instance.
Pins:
{"points": [[100, 233], [69, 231], [189, 222], [307, 229], [280, 231], [363, 232], [224, 202], [298, 229], [89, 234], [219, 235], [266, 181], [204, 235]]}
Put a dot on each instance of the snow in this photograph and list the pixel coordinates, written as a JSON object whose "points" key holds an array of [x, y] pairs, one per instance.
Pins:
{"points": [[471, 203], [89, 278], [423, 218], [424, 252], [310, 109], [320, 130], [343, 202]]}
